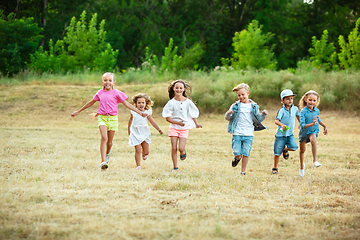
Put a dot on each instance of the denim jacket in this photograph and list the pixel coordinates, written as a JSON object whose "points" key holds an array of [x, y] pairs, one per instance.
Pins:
{"points": [[256, 116]]}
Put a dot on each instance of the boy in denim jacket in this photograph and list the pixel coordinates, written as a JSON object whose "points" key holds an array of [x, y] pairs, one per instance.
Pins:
{"points": [[244, 118]]}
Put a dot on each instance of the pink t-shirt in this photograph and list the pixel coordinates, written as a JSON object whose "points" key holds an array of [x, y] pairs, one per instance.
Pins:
{"points": [[109, 101]]}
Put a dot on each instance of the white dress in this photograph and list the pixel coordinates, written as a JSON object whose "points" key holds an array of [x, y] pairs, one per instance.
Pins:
{"points": [[139, 129], [181, 111]]}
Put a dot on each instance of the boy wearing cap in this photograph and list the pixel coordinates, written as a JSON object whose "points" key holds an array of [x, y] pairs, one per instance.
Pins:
{"points": [[285, 119]]}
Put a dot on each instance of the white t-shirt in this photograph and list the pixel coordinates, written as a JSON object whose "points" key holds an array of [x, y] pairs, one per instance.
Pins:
{"points": [[244, 125], [181, 111]]}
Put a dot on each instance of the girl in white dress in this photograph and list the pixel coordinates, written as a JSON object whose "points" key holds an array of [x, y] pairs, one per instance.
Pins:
{"points": [[138, 129], [182, 115]]}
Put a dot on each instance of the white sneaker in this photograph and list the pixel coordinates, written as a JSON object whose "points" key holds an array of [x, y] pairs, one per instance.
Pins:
{"points": [[138, 168], [302, 171], [103, 165], [108, 157], [317, 164]]}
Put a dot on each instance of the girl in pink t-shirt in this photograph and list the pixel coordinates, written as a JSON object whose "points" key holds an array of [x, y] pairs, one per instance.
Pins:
{"points": [[107, 114]]}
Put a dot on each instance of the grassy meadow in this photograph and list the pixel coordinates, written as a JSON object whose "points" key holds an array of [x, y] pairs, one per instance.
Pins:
{"points": [[51, 187]]}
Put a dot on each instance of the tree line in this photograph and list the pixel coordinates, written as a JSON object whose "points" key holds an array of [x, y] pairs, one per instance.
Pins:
{"points": [[205, 34]]}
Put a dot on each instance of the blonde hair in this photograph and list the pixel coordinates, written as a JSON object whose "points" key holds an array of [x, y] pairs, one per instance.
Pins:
{"points": [[108, 73], [147, 98], [303, 99], [240, 86], [187, 87]]}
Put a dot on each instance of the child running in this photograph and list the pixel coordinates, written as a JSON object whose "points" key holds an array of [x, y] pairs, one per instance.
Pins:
{"points": [[182, 115], [244, 118], [138, 129], [309, 127], [107, 114], [285, 120]]}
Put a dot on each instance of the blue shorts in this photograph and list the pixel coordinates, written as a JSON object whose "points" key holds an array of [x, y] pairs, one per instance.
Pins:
{"points": [[280, 143], [241, 145]]}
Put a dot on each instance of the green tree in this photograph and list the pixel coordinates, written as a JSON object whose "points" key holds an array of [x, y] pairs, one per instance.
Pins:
{"points": [[84, 47], [252, 50], [323, 54], [18, 39], [349, 56]]}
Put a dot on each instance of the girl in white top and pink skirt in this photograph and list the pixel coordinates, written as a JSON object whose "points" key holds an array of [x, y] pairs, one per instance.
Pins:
{"points": [[182, 115]]}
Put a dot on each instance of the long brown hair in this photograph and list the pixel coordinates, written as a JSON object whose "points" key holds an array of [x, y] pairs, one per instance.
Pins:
{"points": [[186, 92]]}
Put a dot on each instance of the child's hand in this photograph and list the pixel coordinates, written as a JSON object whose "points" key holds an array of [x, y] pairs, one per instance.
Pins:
{"points": [[229, 112], [315, 120], [181, 123], [284, 127], [160, 131], [265, 112], [325, 131], [75, 113], [198, 126], [144, 114]]}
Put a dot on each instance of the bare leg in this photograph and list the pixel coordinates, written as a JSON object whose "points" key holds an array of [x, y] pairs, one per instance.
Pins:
{"points": [[137, 155], [110, 141], [313, 146], [103, 143], [145, 149], [302, 152], [276, 161], [244, 163], [182, 144], [174, 150]]}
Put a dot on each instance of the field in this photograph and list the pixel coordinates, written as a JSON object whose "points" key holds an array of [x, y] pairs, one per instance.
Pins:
{"points": [[51, 187]]}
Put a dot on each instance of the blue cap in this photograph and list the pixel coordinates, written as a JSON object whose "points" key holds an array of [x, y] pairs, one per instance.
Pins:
{"points": [[286, 93]]}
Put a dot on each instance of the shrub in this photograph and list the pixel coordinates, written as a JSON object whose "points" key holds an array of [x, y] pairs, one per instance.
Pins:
{"points": [[83, 48], [349, 56], [323, 54], [251, 50], [18, 39]]}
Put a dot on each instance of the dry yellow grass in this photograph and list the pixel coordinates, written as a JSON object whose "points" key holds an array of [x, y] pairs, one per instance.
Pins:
{"points": [[51, 187]]}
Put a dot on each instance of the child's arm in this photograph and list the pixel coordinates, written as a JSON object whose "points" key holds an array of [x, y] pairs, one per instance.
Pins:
{"points": [[130, 122], [152, 121], [313, 123], [283, 126], [196, 123], [325, 128], [131, 107], [170, 120], [298, 118], [87, 105]]}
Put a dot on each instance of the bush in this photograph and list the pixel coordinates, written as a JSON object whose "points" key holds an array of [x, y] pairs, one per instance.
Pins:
{"points": [[251, 50], [349, 56], [83, 48], [323, 54], [18, 39]]}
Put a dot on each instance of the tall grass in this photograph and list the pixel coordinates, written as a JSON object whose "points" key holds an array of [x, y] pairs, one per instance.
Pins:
{"points": [[212, 90]]}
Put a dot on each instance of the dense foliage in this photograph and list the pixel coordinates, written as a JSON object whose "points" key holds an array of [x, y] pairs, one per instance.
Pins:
{"points": [[205, 27], [84, 47], [18, 39]]}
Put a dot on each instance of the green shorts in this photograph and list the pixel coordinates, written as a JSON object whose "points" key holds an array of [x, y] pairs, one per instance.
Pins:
{"points": [[110, 121]]}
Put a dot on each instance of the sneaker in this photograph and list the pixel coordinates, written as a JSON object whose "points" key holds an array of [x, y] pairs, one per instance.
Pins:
{"points": [[235, 162], [145, 157], [138, 168], [108, 157], [302, 171], [243, 173], [103, 165], [317, 164]]}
